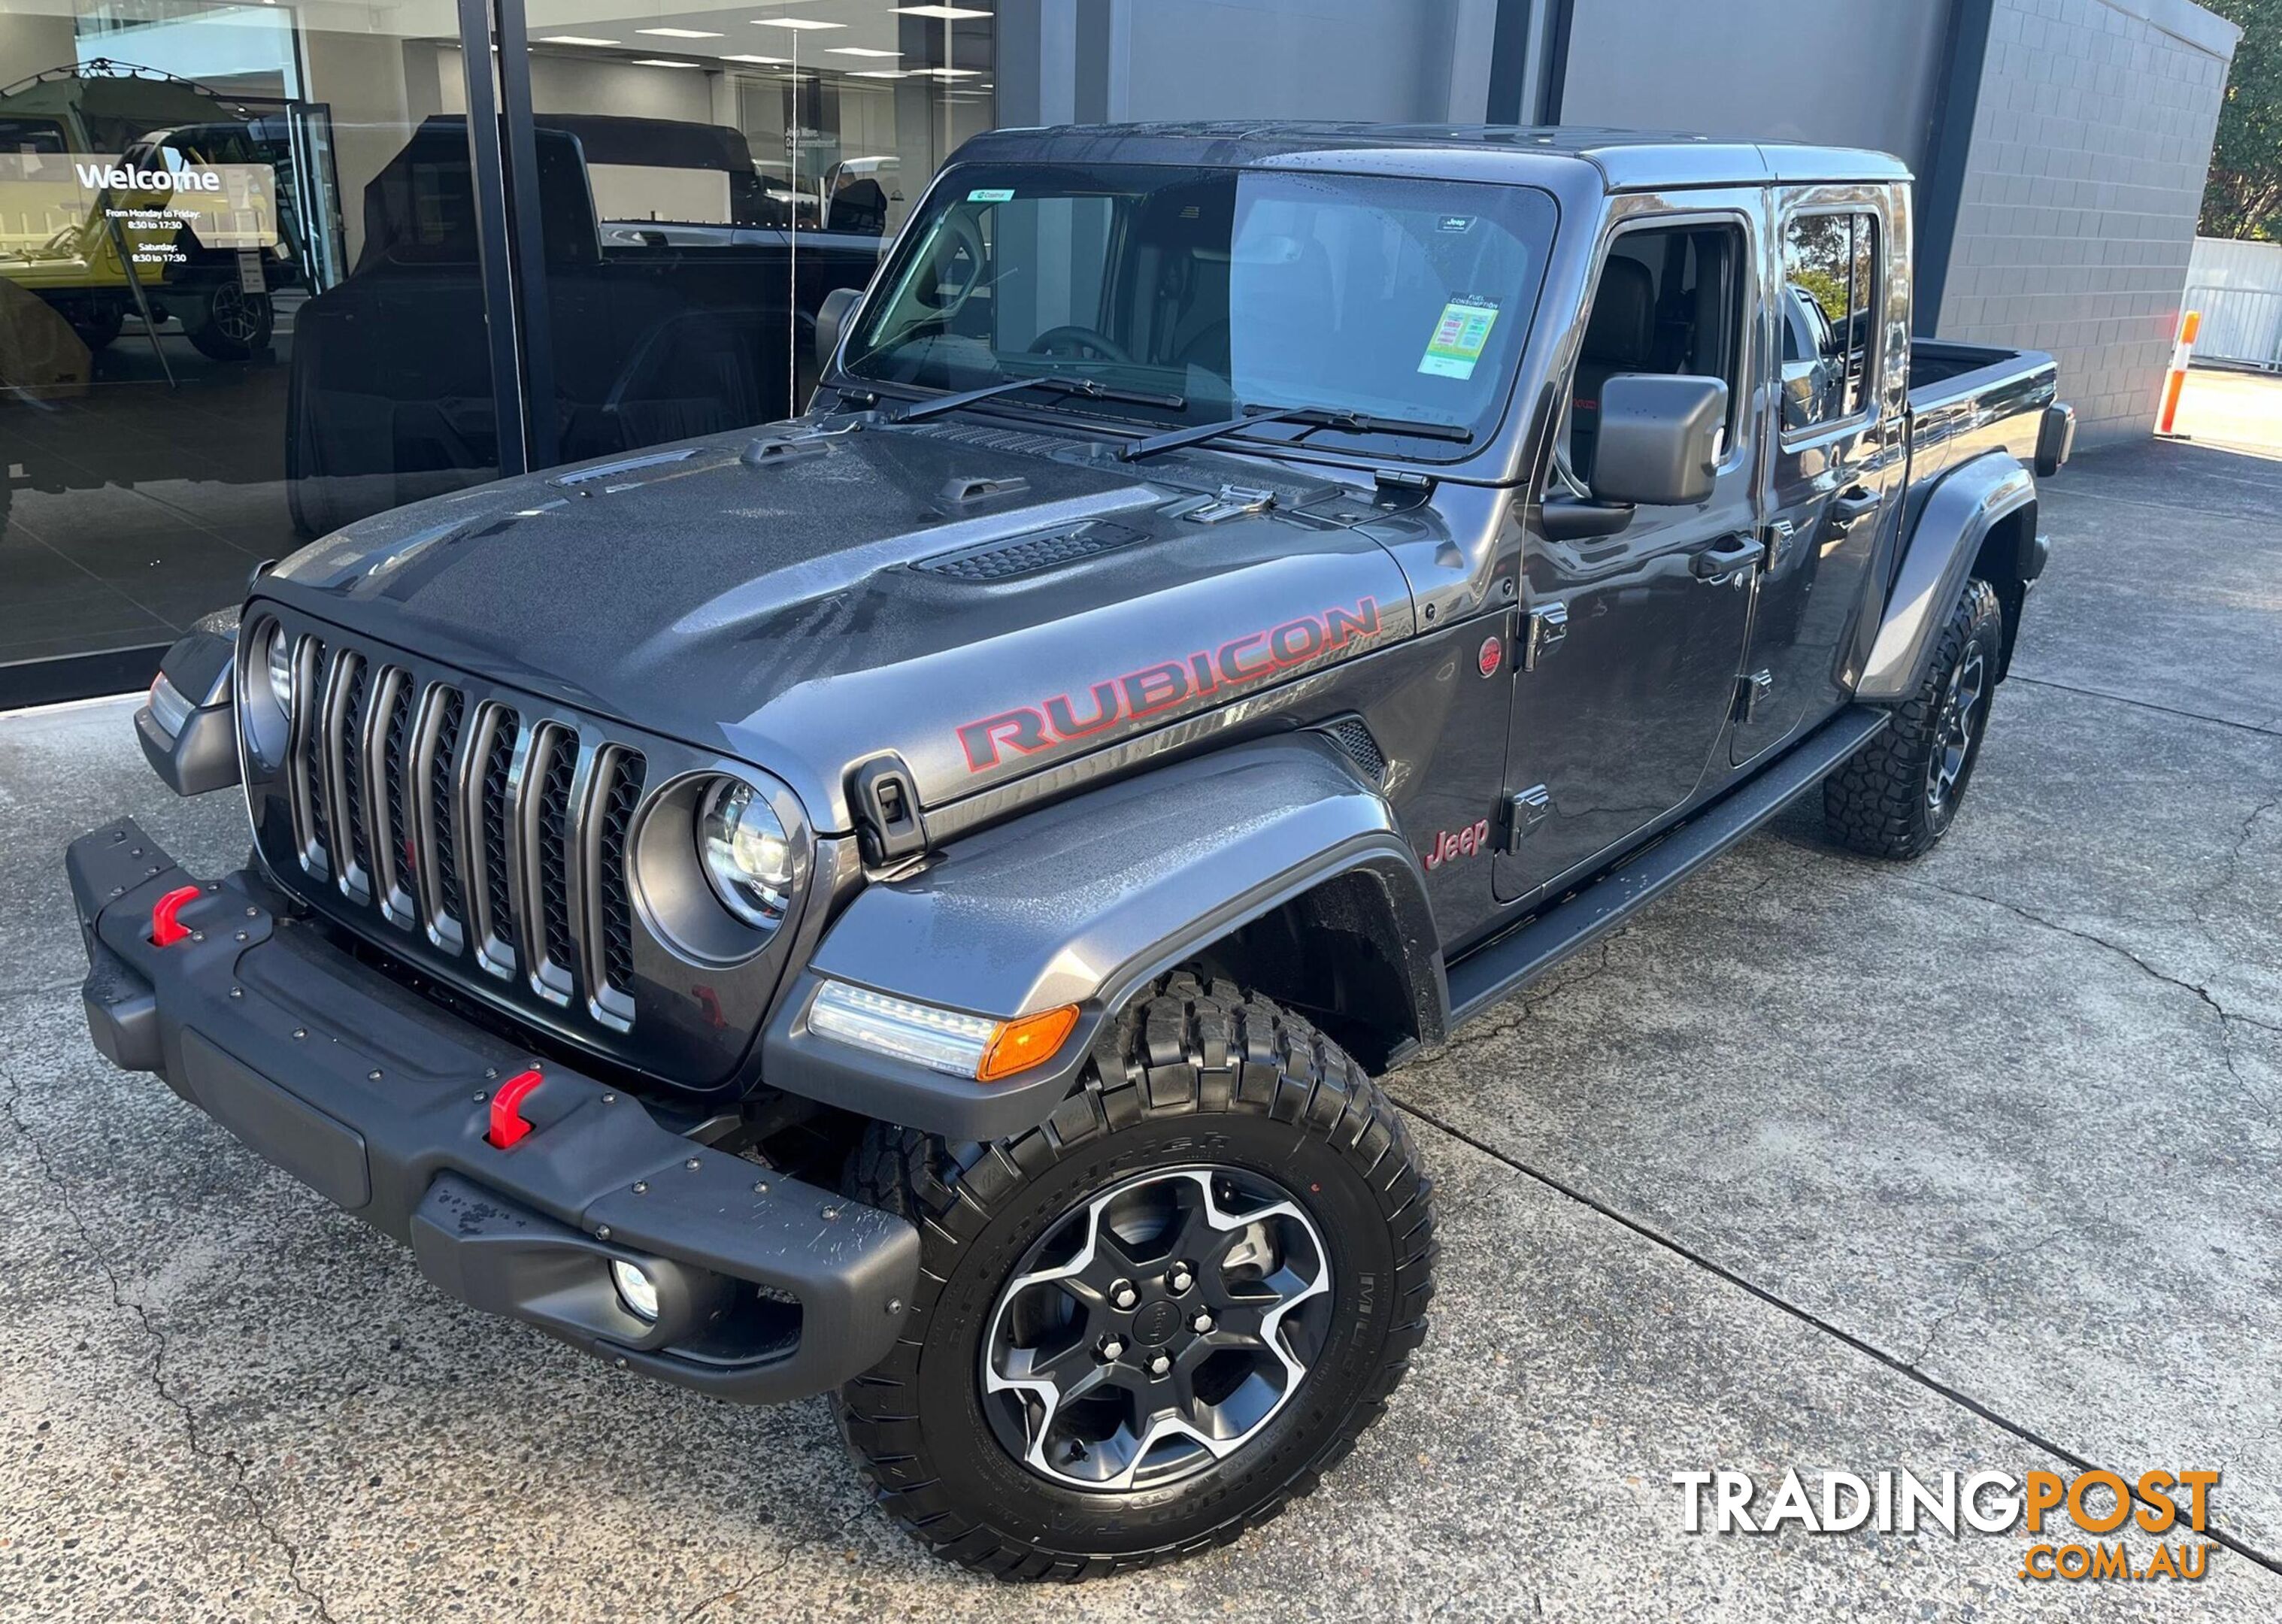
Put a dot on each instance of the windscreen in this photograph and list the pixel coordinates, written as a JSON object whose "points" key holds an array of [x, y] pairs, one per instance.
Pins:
{"points": [[1227, 291]]}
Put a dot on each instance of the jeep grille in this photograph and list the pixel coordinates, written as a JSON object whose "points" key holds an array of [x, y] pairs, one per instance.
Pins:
{"points": [[497, 830]]}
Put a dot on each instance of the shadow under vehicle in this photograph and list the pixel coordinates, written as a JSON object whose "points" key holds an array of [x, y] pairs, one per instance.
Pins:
{"points": [[912, 902], [124, 256], [667, 282]]}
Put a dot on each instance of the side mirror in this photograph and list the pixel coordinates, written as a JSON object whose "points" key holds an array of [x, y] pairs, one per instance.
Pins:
{"points": [[1802, 394], [831, 316], [1659, 439]]}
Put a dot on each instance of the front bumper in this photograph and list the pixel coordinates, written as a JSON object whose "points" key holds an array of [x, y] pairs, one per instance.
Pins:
{"points": [[768, 1289]]}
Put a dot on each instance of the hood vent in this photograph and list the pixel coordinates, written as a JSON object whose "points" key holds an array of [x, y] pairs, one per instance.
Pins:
{"points": [[996, 561], [993, 439], [1352, 736]]}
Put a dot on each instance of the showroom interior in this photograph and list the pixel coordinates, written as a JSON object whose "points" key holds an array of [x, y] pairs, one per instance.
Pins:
{"points": [[183, 400]]}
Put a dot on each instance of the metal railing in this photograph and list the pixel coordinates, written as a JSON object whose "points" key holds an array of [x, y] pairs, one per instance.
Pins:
{"points": [[2243, 325]]}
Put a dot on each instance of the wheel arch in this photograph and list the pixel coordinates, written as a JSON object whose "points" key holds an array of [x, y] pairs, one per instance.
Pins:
{"points": [[1981, 511], [1271, 862], [2011, 556]]}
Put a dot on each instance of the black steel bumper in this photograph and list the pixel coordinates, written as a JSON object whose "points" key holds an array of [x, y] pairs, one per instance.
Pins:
{"points": [[768, 1289]]}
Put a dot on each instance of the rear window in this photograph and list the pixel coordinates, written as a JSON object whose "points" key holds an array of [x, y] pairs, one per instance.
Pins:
{"points": [[1830, 283]]}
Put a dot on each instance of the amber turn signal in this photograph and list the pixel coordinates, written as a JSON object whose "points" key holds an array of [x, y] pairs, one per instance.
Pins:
{"points": [[1030, 1041]]}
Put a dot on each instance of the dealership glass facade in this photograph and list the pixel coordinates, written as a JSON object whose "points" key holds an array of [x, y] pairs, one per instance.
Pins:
{"points": [[260, 275]]}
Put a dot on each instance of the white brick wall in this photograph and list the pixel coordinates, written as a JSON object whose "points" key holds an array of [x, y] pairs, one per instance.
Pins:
{"points": [[2085, 169]]}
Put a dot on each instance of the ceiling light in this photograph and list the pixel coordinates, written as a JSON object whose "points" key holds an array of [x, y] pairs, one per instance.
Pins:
{"points": [[860, 51], [660, 62], [879, 72], [795, 22], [955, 73], [571, 39], [680, 34], [761, 61], [949, 13]]}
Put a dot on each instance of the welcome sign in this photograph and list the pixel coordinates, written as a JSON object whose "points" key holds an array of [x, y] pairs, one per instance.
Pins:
{"points": [[67, 206]]}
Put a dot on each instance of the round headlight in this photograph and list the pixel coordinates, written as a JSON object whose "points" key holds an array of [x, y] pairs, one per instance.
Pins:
{"points": [[277, 664], [747, 856]]}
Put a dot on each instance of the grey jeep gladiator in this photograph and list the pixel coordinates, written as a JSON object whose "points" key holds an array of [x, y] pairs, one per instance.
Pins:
{"points": [[909, 902]]}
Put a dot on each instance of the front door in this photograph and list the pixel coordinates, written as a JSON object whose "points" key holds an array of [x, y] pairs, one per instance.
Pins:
{"points": [[1633, 643], [1838, 445]]}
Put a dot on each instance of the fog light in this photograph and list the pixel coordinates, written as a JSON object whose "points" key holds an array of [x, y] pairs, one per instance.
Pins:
{"points": [[636, 1289]]}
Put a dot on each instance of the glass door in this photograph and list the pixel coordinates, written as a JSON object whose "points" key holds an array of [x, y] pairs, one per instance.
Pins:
{"points": [[705, 174], [239, 305]]}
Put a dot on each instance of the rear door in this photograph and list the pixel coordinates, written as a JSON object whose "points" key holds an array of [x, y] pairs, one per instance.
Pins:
{"points": [[1836, 446], [1632, 643]]}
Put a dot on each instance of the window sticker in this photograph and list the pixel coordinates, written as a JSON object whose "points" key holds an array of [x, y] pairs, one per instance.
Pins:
{"points": [[1454, 223], [1459, 337], [991, 194]]}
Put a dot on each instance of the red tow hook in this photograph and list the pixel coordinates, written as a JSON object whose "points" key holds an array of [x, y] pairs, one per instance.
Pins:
{"points": [[507, 1125], [165, 928]]}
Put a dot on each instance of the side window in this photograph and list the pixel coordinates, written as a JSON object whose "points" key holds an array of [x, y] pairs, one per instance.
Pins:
{"points": [[1669, 299], [1828, 317]]}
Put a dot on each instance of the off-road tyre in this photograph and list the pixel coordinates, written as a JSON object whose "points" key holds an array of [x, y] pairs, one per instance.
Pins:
{"points": [[1199, 1072], [1883, 802]]}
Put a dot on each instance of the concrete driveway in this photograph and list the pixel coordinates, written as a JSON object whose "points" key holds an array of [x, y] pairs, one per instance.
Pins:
{"points": [[1975, 1164]]}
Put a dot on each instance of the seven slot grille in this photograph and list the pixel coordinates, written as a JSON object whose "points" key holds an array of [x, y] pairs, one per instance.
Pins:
{"points": [[502, 835]]}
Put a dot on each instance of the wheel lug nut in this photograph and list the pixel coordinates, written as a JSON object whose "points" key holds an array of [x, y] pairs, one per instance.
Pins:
{"points": [[1160, 1365], [1122, 1296], [1201, 1324], [1181, 1278], [1112, 1349]]}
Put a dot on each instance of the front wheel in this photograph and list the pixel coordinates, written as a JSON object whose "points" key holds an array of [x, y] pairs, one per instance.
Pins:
{"points": [[1898, 795], [1150, 1323]]}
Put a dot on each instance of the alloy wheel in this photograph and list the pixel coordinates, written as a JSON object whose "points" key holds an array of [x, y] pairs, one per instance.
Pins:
{"points": [[1156, 1329], [1954, 726]]}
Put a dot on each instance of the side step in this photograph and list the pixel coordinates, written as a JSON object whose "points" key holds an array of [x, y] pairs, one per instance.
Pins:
{"points": [[1508, 963]]}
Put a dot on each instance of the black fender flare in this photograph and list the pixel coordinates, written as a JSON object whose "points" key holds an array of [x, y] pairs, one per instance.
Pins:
{"points": [[1086, 902], [1964, 507]]}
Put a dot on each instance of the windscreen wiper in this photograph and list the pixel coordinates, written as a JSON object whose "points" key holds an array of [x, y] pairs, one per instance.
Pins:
{"points": [[1313, 416], [1090, 388]]}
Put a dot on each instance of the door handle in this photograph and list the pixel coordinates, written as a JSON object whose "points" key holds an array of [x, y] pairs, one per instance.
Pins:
{"points": [[1853, 505], [1723, 558]]}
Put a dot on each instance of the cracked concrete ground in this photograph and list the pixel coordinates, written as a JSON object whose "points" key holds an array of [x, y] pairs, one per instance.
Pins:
{"points": [[1827, 1163]]}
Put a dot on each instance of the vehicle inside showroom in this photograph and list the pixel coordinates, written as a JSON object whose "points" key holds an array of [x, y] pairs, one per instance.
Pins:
{"points": [[261, 274]]}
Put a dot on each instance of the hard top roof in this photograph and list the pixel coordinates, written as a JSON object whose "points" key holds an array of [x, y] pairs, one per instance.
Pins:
{"points": [[1627, 158]]}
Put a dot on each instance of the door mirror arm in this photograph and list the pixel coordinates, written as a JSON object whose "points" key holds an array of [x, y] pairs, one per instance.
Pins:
{"points": [[1580, 518]]}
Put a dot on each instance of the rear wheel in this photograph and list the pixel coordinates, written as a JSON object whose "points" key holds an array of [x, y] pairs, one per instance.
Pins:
{"points": [[1150, 1323], [1898, 796]]}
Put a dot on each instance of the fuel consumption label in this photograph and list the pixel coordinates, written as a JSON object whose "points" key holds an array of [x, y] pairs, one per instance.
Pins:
{"points": [[1459, 337]]}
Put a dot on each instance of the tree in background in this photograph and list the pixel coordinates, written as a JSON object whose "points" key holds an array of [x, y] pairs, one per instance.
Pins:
{"points": [[2244, 195]]}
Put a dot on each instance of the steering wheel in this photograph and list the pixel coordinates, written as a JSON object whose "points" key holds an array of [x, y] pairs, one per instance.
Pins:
{"points": [[949, 283], [1080, 341]]}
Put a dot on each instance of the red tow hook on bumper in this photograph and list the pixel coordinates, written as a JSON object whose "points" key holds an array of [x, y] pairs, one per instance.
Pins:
{"points": [[166, 928], [507, 1126]]}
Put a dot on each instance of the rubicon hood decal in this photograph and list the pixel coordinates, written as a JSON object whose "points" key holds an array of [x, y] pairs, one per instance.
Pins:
{"points": [[1168, 686]]}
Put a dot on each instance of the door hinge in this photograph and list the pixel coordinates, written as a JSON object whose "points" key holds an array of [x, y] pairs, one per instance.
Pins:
{"points": [[1751, 696], [1548, 627], [1524, 809]]}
